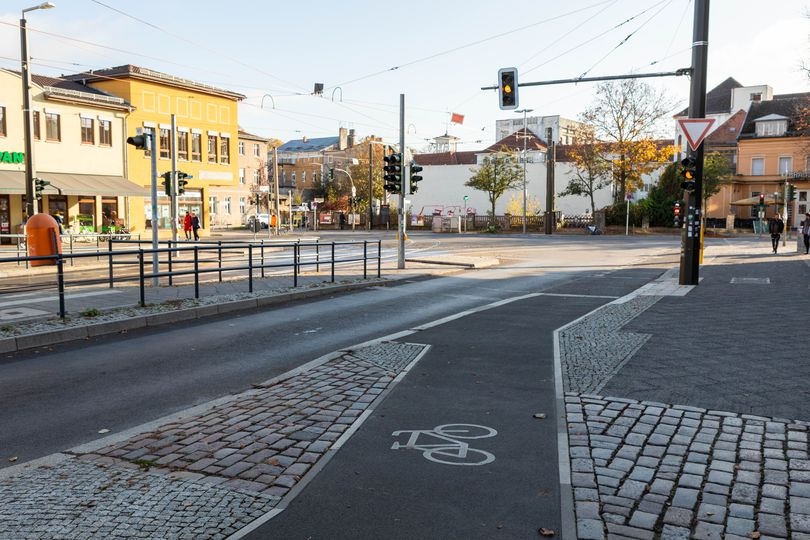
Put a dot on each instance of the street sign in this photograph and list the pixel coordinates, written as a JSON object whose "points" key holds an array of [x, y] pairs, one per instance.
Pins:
{"points": [[318, 199], [264, 189], [466, 197], [629, 197], [695, 130]]}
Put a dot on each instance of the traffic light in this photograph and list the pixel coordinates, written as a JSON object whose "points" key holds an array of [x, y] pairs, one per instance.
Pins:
{"points": [[393, 173], [791, 194], [415, 176], [181, 182], [677, 211], [689, 173], [141, 142], [508, 88], [762, 199], [331, 174], [167, 183], [39, 186]]}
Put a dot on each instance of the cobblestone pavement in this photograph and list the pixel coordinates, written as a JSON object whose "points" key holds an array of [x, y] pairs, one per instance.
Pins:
{"points": [[208, 474], [593, 349], [650, 470]]}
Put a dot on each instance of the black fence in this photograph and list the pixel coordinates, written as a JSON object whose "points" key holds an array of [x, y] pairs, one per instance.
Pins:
{"points": [[176, 260]]}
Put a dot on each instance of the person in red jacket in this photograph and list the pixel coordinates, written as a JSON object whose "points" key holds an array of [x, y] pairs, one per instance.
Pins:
{"points": [[187, 225]]}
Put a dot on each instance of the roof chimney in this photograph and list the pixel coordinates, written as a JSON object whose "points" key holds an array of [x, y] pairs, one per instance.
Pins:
{"points": [[342, 139], [304, 138]]}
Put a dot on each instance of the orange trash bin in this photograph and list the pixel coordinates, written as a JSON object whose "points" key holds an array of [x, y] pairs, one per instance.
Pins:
{"points": [[40, 231]]}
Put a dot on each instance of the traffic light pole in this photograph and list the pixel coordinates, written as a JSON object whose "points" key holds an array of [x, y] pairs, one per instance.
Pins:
{"points": [[173, 180], [690, 262], [31, 206], [370, 184], [550, 149], [153, 152], [402, 212]]}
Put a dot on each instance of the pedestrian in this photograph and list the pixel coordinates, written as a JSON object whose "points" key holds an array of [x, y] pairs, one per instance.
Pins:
{"points": [[58, 220], [806, 232], [304, 221], [342, 221], [187, 225], [195, 225], [775, 227]]}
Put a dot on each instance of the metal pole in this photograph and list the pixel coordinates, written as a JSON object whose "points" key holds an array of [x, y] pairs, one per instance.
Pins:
{"points": [[173, 198], [690, 270], [401, 235], [627, 220], [30, 202], [140, 276], [785, 212], [370, 184], [154, 150], [547, 225], [525, 139], [275, 188]]}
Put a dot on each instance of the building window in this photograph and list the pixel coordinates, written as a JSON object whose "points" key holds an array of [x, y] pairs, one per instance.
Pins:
{"points": [[3, 121], [241, 176], [757, 167], [87, 130], [755, 209], [165, 143], [256, 178], [292, 179], [315, 178], [226, 207], [37, 134], [256, 150], [212, 205], [212, 148], [771, 128], [284, 178], [225, 150], [241, 205], [756, 97], [304, 178], [182, 145], [196, 147], [53, 127], [785, 164], [105, 133], [241, 148]]}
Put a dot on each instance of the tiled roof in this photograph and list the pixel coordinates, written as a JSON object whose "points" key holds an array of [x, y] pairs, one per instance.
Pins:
{"points": [[515, 142], [128, 70], [446, 158], [250, 136], [64, 84], [789, 107], [728, 131], [310, 145], [718, 99]]}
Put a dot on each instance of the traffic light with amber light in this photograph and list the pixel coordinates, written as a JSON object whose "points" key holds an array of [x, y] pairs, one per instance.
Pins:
{"points": [[415, 176], [508, 88], [393, 173], [688, 172]]}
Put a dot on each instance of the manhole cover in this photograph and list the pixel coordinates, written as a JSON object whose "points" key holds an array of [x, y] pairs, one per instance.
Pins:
{"points": [[751, 280]]}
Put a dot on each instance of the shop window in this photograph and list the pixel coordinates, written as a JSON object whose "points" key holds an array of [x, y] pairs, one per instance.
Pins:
{"points": [[105, 133], [212, 148], [109, 214], [57, 206], [196, 147], [53, 128], [87, 130], [86, 220]]}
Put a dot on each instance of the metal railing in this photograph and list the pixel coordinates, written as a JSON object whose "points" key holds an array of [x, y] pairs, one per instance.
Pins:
{"points": [[257, 260], [72, 243]]}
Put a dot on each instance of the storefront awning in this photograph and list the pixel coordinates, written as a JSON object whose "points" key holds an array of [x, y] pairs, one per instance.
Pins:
{"points": [[13, 183]]}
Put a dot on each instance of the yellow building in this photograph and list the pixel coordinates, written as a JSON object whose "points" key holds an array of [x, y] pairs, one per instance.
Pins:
{"points": [[207, 127]]}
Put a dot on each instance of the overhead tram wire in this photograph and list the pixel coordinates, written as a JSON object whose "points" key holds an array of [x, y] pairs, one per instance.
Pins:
{"points": [[471, 44], [191, 42], [675, 33]]}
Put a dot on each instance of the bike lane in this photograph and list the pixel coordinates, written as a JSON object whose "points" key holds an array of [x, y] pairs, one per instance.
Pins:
{"points": [[492, 369]]}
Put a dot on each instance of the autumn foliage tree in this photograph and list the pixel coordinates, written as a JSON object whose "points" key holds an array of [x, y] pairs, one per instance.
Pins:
{"points": [[591, 166]]}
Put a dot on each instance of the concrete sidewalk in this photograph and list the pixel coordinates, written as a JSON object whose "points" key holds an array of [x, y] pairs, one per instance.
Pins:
{"points": [[684, 425]]}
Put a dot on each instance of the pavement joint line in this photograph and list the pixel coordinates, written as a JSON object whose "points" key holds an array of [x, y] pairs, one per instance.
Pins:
{"points": [[337, 445]]}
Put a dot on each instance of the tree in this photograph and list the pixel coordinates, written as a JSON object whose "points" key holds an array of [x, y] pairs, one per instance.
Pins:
{"points": [[360, 172], [515, 205], [498, 173], [716, 172], [274, 143], [626, 114], [591, 168]]}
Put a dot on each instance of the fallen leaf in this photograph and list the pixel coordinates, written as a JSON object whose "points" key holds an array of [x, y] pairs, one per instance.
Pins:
{"points": [[273, 461], [540, 416], [499, 526], [546, 532], [105, 430], [755, 534], [13, 458]]}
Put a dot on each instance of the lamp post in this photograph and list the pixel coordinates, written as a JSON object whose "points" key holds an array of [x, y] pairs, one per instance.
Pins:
{"points": [[30, 202], [525, 137], [354, 190]]}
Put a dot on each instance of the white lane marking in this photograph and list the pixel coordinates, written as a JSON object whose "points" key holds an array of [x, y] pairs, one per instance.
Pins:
{"points": [[565, 295], [56, 298]]}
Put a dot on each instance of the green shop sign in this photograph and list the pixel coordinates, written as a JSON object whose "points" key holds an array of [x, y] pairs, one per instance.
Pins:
{"points": [[12, 157]]}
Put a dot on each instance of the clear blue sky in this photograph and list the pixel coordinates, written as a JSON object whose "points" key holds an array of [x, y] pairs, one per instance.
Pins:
{"points": [[281, 48]]}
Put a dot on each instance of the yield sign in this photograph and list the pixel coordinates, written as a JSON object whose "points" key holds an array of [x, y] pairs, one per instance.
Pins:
{"points": [[696, 130]]}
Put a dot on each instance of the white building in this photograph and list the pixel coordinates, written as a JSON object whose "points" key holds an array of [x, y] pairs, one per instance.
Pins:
{"points": [[563, 130]]}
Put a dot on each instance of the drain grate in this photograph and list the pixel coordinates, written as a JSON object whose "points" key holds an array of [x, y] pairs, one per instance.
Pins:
{"points": [[751, 280]]}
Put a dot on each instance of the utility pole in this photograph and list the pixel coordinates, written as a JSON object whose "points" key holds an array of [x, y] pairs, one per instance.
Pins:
{"points": [[690, 263], [173, 179], [547, 224], [370, 184], [275, 189], [401, 232], [525, 137]]}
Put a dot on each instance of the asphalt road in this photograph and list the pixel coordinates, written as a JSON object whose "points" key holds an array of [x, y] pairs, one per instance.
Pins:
{"points": [[55, 398]]}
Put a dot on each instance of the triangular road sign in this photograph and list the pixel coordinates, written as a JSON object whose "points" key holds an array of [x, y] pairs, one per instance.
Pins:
{"points": [[696, 130]]}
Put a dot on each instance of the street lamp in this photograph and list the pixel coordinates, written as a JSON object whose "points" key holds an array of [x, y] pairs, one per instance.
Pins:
{"points": [[30, 202], [354, 190], [525, 137]]}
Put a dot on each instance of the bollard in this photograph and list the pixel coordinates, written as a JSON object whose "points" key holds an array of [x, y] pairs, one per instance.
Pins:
{"points": [[169, 254], [219, 259], [379, 259], [141, 275], [262, 256], [110, 263], [295, 265], [333, 262], [250, 267], [365, 259], [196, 272], [317, 255], [60, 278], [70, 247]]}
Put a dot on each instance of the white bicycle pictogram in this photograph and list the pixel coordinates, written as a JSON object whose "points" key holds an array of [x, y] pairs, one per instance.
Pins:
{"points": [[449, 450]]}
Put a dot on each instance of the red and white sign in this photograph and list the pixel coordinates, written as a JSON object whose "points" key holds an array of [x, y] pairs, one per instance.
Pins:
{"points": [[696, 130]]}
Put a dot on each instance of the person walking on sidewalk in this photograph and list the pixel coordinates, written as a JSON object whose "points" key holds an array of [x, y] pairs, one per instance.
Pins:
{"points": [[187, 225], [195, 225], [806, 232], [775, 227]]}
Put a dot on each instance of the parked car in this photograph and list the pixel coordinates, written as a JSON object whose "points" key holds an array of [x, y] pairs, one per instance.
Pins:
{"points": [[263, 219]]}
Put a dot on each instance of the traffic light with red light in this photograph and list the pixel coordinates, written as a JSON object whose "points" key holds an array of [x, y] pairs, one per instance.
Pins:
{"points": [[677, 212]]}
